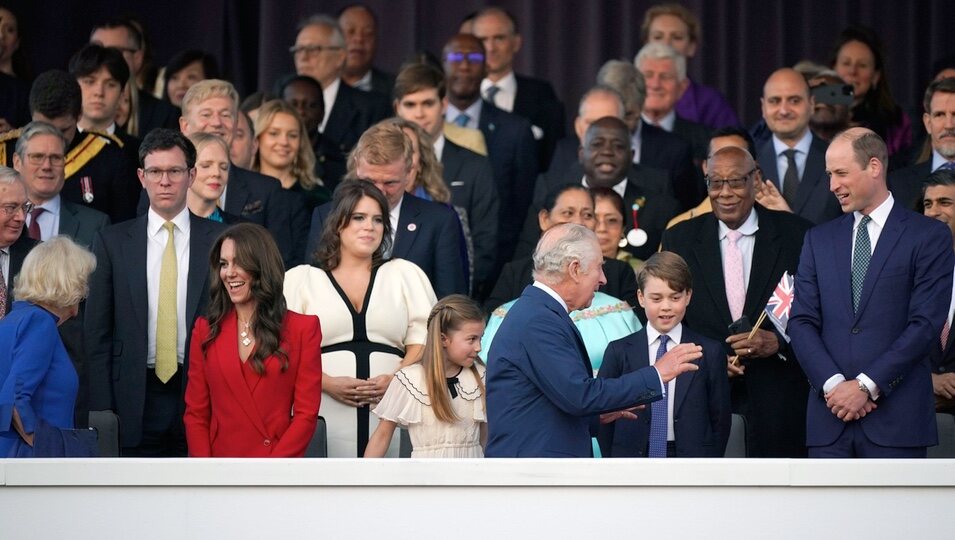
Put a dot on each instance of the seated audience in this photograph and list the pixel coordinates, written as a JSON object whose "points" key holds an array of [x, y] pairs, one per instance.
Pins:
{"points": [[249, 352], [439, 400], [694, 418], [185, 69], [360, 28], [374, 311], [38, 384]]}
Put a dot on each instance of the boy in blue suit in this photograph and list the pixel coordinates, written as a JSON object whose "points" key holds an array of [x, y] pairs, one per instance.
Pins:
{"points": [[693, 419]]}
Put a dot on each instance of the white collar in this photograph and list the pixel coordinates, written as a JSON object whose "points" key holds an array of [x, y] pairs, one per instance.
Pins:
{"points": [[748, 228], [552, 293], [507, 84], [675, 335], [52, 206], [880, 215], [364, 83], [329, 94], [154, 221], [801, 147], [620, 187], [439, 145], [665, 123], [937, 160]]}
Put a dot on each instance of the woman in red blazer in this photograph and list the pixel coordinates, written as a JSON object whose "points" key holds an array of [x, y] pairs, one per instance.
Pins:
{"points": [[255, 368]]}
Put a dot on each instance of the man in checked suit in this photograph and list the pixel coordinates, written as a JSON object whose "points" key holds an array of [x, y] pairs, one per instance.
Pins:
{"points": [[137, 357], [737, 254], [871, 296]]}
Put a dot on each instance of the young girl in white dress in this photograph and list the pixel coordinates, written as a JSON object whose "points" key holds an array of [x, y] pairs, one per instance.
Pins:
{"points": [[440, 400]]}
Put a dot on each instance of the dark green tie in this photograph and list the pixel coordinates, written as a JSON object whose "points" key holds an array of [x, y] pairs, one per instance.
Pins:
{"points": [[860, 260]]}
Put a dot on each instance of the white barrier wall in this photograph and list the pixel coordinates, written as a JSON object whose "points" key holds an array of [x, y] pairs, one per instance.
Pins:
{"points": [[487, 499]]}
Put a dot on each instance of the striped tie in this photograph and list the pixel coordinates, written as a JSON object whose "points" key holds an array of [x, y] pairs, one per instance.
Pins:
{"points": [[167, 323]]}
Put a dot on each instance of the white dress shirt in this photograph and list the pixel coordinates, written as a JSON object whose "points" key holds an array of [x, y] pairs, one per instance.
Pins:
{"points": [[439, 146], [875, 226], [329, 94], [653, 344], [635, 141], [746, 243], [473, 111], [364, 83], [49, 221], [507, 91], [552, 293], [802, 154], [620, 187], [155, 245], [665, 123]]}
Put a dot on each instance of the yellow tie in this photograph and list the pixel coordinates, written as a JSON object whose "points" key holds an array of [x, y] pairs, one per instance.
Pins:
{"points": [[167, 323]]}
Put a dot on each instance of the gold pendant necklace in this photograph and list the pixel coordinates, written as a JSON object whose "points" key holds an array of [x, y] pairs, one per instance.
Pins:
{"points": [[244, 334]]}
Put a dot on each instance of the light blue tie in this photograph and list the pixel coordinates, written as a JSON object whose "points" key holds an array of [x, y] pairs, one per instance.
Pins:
{"points": [[860, 260], [658, 414], [462, 120]]}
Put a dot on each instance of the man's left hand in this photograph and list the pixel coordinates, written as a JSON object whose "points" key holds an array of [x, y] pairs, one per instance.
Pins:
{"points": [[847, 401], [625, 414], [763, 344]]}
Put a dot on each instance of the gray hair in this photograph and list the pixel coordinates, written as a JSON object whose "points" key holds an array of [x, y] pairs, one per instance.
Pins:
{"points": [[55, 273], [626, 79], [661, 51], [10, 176], [32, 130], [561, 245], [321, 19], [601, 89]]}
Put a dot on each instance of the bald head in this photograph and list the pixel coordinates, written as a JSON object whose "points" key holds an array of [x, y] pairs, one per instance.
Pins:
{"points": [[787, 105], [598, 102]]}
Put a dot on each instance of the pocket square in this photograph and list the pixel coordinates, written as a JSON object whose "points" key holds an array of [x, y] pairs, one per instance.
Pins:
{"points": [[457, 183], [253, 207]]}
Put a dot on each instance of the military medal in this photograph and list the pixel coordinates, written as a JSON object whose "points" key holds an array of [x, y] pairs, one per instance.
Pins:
{"points": [[86, 185], [636, 237]]}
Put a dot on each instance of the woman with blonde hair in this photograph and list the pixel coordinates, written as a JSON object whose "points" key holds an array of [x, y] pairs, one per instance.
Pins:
{"points": [[285, 151], [38, 383], [212, 177]]}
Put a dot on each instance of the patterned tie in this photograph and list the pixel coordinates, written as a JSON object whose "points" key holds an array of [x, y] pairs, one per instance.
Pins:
{"points": [[34, 229], [3, 287], [860, 260], [946, 328], [167, 323], [950, 165], [462, 120], [791, 180], [658, 414], [491, 93], [733, 275]]}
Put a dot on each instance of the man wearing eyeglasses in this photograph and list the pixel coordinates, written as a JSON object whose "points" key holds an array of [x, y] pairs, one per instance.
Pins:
{"points": [[150, 284], [14, 244], [320, 53], [510, 142], [737, 254]]}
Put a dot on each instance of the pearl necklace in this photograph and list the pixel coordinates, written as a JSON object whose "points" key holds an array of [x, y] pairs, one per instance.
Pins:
{"points": [[244, 334]]}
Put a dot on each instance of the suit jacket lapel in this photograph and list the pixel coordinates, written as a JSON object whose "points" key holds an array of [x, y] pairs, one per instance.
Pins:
{"points": [[842, 254], [893, 230], [708, 255], [765, 254], [237, 193], [134, 252], [684, 381], [554, 306], [200, 241], [405, 235], [766, 156], [812, 173], [340, 117], [224, 355], [69, 224], [451, 159]]}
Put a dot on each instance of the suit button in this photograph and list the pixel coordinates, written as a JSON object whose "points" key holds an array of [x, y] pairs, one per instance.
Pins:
{"points": [[267, 442], [855, 330]]}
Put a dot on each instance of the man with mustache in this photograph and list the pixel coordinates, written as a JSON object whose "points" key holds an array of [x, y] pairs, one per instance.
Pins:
{"points": [[939, 120]]}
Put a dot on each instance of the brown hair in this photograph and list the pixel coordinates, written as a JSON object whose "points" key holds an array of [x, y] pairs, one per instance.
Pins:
{"points": [[669, 267], [257, 254], [418, 76], [346, 197], [688, 17], [448, 315]]}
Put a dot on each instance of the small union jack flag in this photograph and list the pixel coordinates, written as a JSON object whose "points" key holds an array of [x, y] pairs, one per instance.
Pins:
{"points": [[780, 304]]}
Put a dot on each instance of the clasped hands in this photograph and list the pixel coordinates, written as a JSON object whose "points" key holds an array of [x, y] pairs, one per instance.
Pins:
{"points": [[675, 362], [848, 402], [356, 392]]}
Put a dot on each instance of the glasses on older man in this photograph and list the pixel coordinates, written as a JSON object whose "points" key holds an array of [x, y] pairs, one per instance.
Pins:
{"points": [[458, 57], [309, 50], [57, 160], [11, 209], [716, 184]]}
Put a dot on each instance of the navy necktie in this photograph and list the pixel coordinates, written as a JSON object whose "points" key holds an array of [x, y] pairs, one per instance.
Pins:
{"points": [[860, 260], [658, 412]]}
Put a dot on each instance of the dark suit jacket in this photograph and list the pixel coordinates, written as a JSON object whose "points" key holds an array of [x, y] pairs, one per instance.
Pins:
{"points": [[697, 135], [906, 184], [513, 155], [943, 361], [813, 201], [353, 112], [260, 199], [429, 235], [383, 83], [471, 181], [542, 398], [226, 418], [769, 395], [156, 113], [516, 276], [117, 312], [18, 252], [904, 301], [647, 183], [81, 223], [701, 405], [536, 101], [112, 173], [14, 100]]}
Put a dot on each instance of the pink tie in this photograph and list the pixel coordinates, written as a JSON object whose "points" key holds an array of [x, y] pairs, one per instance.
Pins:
{"points": [[946, 328], [733, 275]]}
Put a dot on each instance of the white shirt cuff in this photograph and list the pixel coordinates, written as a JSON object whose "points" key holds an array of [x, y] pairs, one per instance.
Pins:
{"points": [[832, 382], [663, 385], [870, 384]]}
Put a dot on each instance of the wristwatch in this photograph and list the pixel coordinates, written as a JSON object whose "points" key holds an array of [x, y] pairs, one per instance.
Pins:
{"points": [[864, 388]]}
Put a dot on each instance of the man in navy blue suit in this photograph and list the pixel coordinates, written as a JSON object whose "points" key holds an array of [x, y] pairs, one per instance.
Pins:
{"points": [[542, 398], [510, 142], [872, 291], [425, 233]]}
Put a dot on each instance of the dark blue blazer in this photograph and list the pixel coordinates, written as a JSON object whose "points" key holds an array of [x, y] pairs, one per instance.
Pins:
{"points": [[513, 154], [905, 299], [542, 397], [701, 414], [429, 235], [906, 184], [536, 100], [813, 201]]}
